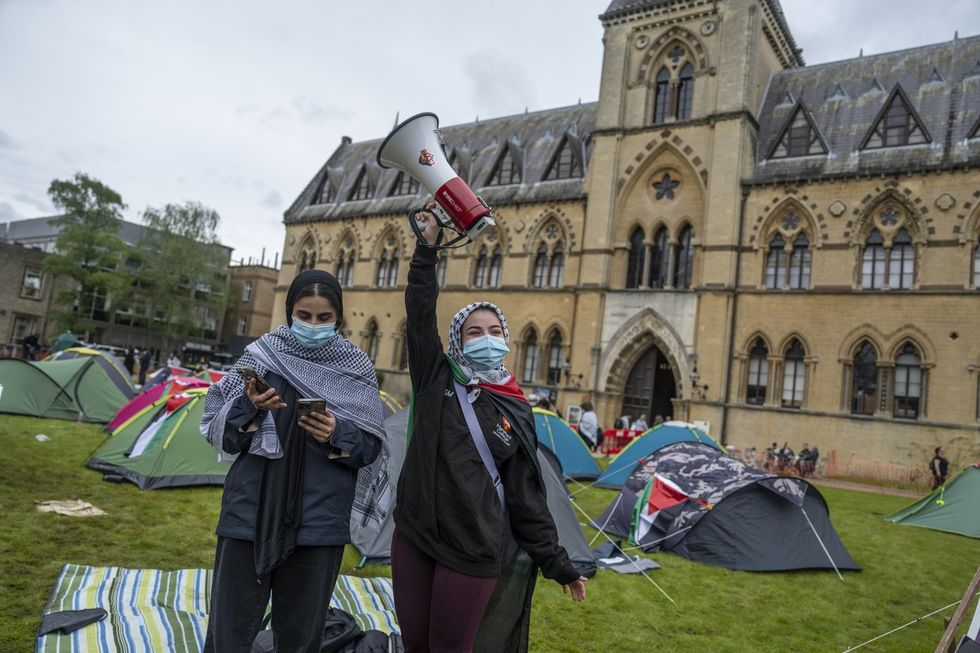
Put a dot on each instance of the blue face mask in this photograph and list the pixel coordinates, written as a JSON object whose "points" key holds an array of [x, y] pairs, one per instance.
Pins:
{"points": [[485, 352], [313, 336]]}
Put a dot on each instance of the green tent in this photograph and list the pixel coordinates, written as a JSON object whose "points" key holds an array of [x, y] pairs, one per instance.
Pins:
{"points": [[162, 446], [64, 389], [951, 508]]}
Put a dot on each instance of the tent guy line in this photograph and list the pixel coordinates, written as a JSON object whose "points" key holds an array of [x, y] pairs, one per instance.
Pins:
{"points": [[914, 621], [822, 545]]}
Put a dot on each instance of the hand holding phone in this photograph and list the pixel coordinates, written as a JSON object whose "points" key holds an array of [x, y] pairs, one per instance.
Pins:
{"points": [[312, 415], [249, 374], [258, 390]]}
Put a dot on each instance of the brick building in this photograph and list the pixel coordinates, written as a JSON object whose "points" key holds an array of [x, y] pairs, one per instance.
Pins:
{"points": [[782, 251]]}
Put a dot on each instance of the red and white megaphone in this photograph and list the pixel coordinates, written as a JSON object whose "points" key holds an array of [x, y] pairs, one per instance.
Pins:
{"points": [[415, 148]]}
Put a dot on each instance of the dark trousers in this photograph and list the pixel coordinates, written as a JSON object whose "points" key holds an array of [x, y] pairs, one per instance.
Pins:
{"points": [[300, 586], [439, 610]]}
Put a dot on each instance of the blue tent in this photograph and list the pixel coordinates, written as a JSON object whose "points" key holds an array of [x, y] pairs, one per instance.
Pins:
{"points": [[645, 444], [554, 433]]}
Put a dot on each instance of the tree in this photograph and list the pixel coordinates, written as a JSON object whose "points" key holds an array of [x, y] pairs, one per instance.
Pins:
{"points": [[88, 251], [184, 271]]}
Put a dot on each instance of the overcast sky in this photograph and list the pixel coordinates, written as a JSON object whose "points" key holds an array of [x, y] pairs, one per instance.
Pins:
{"points": [[236, 104]]}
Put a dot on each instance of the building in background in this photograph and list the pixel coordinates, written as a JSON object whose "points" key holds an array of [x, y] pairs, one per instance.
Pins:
{"points": [[120, 324], [251, 295], [781, 252], [25, 297]]}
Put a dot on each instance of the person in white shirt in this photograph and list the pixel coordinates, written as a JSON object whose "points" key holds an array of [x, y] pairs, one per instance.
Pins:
{"points": [[641, 424], [588, 425]]}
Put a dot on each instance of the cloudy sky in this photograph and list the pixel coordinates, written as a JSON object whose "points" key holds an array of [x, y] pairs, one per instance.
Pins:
{"points": [[236, 104]]}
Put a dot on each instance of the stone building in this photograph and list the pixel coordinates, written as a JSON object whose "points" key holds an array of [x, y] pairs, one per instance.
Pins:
{"points": [[251, 294], [25, 297], [780, 251]]}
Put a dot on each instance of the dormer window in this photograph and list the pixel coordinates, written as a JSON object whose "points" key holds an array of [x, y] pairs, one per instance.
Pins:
{"points": [[363, 188], [564, 165], [404, 185], [506, 171], [897, 124], [799, 137]]}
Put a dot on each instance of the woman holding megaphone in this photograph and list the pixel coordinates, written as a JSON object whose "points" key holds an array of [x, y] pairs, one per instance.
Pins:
{"points": [[470, 483]]}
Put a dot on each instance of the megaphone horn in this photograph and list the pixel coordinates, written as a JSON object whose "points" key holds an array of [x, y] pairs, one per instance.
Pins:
{"points": [[414, 148]]}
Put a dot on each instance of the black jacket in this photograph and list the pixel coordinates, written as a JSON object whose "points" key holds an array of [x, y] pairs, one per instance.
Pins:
{"points": [[328, 482], [447, 506]]}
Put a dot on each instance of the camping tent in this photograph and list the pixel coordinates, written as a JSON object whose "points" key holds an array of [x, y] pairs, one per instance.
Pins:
{"points": [[693, 500], [646, 443], [161, 446], [951, 508], [555, 433], [73, 388], [113, 367], [164, 374], [172, 386], [375, 544]]}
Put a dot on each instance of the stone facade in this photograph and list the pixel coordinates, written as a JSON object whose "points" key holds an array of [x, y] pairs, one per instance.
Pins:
{"points": [[779, 251], [252, 293], [25, 298]]}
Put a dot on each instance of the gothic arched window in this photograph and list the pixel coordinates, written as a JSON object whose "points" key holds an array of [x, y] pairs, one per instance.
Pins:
{"points": [[441, 263], [634, 267], [382, 277], [685, 92], [794, 375], [556, 358], [556, 269], [776, 262], [496, 262], [901, 261], [660, 261], [864, 383], [480, 271], [908, 382], [530, 365], [661, 96], [393, 271], [799, 263], [372, 340], [873, 261], [758, 381], [684, 258], [540, 267]]}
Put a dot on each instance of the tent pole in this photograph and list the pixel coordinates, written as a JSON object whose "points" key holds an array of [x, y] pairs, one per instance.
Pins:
{"points": [[826, 552], [645, 574]]}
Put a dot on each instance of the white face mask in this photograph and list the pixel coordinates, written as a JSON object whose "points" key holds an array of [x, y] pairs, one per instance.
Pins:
{"points": [[313, 336]]}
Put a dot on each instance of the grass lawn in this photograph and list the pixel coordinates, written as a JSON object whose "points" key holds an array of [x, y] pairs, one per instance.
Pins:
{"points": [[908, 572]]}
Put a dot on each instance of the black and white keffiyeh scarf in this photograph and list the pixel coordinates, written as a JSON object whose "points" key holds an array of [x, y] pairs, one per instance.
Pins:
{"points": [[340, 373], [498, 375]]}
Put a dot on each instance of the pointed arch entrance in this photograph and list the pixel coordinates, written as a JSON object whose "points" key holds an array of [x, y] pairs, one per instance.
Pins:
{"points": [[650, 387]]}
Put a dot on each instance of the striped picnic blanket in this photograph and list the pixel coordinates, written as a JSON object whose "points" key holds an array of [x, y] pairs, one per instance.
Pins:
{"points": [[154, 610]]}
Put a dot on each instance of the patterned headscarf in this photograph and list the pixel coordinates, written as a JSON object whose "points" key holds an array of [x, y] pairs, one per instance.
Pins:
{"points": [[498, 375]]}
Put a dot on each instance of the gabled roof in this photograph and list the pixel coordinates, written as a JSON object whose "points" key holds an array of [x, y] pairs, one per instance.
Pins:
{"points": [[477, 147], [845, 98]]}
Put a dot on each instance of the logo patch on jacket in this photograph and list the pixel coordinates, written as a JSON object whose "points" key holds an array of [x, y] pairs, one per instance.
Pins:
{"points": [[502, 431]]}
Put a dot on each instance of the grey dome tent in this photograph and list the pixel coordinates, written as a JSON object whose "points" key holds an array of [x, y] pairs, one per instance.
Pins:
{"points": [[375, 544], [693, 500]]}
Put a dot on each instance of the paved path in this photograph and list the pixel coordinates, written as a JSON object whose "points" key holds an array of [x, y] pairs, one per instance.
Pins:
{"points": [[877, 489]]}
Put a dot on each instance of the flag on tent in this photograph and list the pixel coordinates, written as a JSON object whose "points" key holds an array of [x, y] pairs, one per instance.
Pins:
{"points": [[659, 493]]}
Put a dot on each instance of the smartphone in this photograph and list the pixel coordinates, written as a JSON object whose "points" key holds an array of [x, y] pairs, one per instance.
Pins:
{"points": [[307, 406], [248, 374]]}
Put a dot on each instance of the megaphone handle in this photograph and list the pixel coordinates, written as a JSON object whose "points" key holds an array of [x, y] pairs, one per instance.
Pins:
{"points": [[413, 223]]}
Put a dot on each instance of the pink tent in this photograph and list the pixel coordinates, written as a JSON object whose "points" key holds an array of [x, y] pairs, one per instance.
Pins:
{"points": [[170, 387]]}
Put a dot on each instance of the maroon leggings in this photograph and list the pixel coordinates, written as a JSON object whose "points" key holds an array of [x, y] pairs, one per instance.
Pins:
{"points": [[439, 610]]}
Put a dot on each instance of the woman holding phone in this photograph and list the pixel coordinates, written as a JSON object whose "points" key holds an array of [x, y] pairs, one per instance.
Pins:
{"points": [[302, 413], [470, 483]]}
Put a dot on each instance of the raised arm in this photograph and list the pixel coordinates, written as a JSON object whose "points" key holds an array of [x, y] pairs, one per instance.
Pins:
{"points": [[422, 330]]}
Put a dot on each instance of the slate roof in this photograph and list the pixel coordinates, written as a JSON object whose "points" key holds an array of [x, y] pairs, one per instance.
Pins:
{"points": [[533, 139], [844, 98]]}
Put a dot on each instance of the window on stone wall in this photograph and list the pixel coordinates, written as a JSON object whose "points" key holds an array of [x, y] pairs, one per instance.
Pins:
{"points": [[496, 262], [634, 266], [661, 96], [247, 291], [363, 188], [30, 286], [382, 276], [873, 261], [901, 262], [242, 324], [799, 263], [897, 125], [776, 262], [684, 258], [480, 270], [530, 364], [660, 261], [403, 348], [758, 380], [556, 267], [393, 270], [794, 375], [327, 192], [540, 267], [307, 260], [908, 382], [976, 266], [564, 165], [685, 92], [341, 270], [372, 341], [506, 170], [556, 358], [864, 379]]}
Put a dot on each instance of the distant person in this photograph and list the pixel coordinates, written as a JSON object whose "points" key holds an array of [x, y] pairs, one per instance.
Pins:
{"points": [[174, 360], [939, 467], [31, 347], [784, 456], [771, 452], [588, 426], [641, 424], [145, 360], [802, 460], [545, 404], [658, 420], [624, 422], [129, 362]]}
